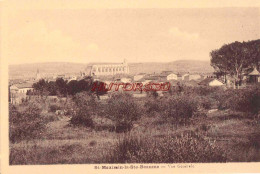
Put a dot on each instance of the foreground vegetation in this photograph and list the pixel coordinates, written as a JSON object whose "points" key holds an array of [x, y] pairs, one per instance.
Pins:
{"points": [[197, 124]]}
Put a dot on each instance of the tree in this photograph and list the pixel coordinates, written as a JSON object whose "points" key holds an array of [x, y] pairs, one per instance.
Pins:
{"points": [[123, 110], [82, 109], [40, 85], [98, 88], [236, 58], [61, 85]]}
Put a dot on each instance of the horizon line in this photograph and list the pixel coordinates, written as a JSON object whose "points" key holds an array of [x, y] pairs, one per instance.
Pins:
{"points": [[132, 62]]}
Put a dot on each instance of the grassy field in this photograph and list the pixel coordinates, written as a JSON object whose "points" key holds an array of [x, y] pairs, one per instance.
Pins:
{"points": [[62, 143]]}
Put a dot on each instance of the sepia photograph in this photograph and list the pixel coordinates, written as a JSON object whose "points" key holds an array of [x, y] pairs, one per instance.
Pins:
{"points": [[142, 86]]}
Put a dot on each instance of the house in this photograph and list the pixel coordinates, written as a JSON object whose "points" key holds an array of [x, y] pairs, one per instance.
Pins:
{"points": [[21, 88], [211, 82], [19, 92], [126, 80], [172, 76], [254, 76]]}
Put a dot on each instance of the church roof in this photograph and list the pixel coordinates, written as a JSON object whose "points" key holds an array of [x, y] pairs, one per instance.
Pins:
{"points": [[254, 72]]}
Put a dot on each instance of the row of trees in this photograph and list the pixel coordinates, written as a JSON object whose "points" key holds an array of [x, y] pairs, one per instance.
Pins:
{"points": [[236, 59], [63, 88]]}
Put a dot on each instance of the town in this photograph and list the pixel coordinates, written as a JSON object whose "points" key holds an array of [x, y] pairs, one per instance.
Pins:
{"points": [[134, 86], [119, 73]]}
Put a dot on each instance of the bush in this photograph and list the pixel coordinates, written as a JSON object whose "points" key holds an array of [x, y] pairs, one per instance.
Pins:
{"points": [[54, 108], [25, 124], [154, 105], [206, 90], [204, 102], [82, 109], [243, 100], [179, 109], [246, 100], [188, 148], [123, 110]]}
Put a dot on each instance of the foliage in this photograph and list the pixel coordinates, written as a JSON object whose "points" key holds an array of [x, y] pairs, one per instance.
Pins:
{"points": [[236, 58], [54, 108], [245, 100], [63, 88], [123, 109], [82, 109], [179, 109], [25, 124], [188, 147], [153, 105]]}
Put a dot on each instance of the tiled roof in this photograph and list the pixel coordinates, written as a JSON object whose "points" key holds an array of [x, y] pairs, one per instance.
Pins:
{"points": [[23, 85]]}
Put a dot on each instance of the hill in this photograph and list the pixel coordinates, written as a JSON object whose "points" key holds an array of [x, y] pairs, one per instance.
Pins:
{"points": [[180, 66], [29, 70]]}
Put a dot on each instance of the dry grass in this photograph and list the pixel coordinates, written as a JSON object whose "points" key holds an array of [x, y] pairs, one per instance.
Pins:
{"points": [[64, 144]]}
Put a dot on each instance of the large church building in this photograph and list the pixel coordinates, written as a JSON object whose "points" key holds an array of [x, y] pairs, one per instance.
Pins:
{"points": [[102, 69]]}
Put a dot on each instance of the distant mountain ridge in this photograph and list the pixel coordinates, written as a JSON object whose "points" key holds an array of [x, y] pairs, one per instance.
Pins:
{"points": [[181, 66]]}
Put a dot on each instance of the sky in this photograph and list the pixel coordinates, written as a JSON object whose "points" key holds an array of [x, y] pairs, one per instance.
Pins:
{"points": [[137, 35]]}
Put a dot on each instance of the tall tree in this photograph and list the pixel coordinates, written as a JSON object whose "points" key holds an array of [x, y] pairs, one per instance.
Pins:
{"points": [[236, 58]]}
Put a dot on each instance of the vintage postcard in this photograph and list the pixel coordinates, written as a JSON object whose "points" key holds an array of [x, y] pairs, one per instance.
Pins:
{"points": [[130, 86]]}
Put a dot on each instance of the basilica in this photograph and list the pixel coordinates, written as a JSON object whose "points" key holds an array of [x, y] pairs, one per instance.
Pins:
{"points": [[102, 69]]}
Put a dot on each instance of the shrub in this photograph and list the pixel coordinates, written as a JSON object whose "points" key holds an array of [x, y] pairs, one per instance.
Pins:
{"points": [[123, 110], [243, 100], [54, 108], [179, 109], [204, 102], [25, 124], [50, 117], [154, 105], [82, 109], [246, 100], [206, 90], [188, 148]]}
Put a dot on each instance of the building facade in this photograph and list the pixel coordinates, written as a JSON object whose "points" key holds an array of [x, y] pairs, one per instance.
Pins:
{"points": [[172, 76], [104, 69]]}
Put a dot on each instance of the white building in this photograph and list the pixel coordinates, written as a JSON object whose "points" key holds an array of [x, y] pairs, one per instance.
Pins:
{"points": [[104, 69], [172, 76], [21, 88]]}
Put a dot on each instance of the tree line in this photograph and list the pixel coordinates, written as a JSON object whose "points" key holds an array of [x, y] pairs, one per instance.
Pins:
{"points": [[63, 88]]}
